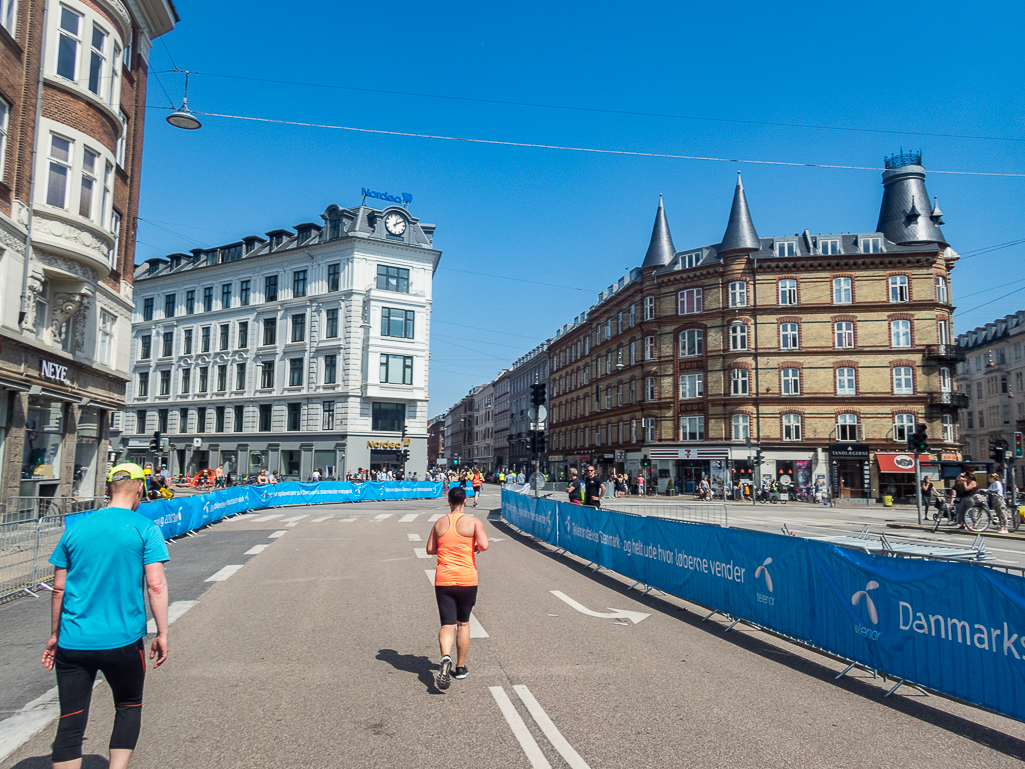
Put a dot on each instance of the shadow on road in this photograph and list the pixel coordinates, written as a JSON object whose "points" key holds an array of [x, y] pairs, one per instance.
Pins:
{"points": [[43, 762], [411, 663]]}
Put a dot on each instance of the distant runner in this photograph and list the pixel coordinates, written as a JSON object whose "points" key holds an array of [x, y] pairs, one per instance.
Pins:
{"points": [[477, 481], [99, 616], [455, 539]]}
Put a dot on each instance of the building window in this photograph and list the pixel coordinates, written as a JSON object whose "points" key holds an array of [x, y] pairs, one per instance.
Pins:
{"points": [[388, 417], [791, 427], [649, 388], [738, 336], [790, 381], [190, 302], [738, 293], [692, 343], [330, 369], [140, 421], [900, 333], [692, 385], [267, 374], [270, 288], [398, 323], [222, 378], [690, 301], [183, 420], [223, 336], [186, 380], [144, 346], [947, 422], [68, 41], [60, 168], [946, 384], [942, 294], [397, 369], [219, 419], [85, 197], [9, 17], [115, 231], [788, 291], [331, 329], [299, 283], [299, 328], [847, 427], [295, 372], [633, 353], [240, 376], [649, 308], [692, 428], [204, 379], [162, 420], [829, 247], [788, 336], [786, 248], [265, 417], [147, 309], [143, 389], [846, 382], [169, 302], [903, 381], [633, 322], [741, 427], [899, 291], [334, 278], [270, 331], [843, 292], [243, 334], [238, 420], [740, 381], [393, 279], [690, 260], [649, 429], [167, 345], [650, 350], [225, 296], [208, 299], [843, 334], [871, 245], [204, 345], [328, 415], [903, 426], [187, 342], [106, 340], [122, 140]]}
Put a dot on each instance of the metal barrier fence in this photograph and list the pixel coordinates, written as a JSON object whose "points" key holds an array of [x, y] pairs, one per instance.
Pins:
{"points": [[25, 548], [20, 509], [714, 515]]}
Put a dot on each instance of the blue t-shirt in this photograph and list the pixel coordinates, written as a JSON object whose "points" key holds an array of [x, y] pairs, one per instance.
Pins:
{"points": [[104, 596]]}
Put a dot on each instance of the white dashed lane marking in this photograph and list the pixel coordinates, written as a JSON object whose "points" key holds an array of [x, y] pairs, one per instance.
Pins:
{"points": [[413, 537], [381, 517], [433, 518], [294, 520], [476, 629], [409, 517], [277, 534], [421, 552], [322, 518], [224, 573], [349, 520], [263, 518], [174, 611], [256, 549]]}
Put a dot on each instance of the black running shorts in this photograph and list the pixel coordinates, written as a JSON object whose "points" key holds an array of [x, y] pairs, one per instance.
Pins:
{"points": [[455, 602]]}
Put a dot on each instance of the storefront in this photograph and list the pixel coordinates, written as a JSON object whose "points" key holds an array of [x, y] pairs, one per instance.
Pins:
{"points": [[897, 476], [851, 476]]}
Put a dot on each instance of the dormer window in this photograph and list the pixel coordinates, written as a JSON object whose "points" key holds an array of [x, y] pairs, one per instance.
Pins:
{"points": [[690, 260], [829, 247], [871, 245], [334, 227], [785, 248]]}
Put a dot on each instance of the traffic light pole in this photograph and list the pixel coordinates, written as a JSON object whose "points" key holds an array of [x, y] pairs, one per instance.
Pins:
{"points": [[918, 485]]}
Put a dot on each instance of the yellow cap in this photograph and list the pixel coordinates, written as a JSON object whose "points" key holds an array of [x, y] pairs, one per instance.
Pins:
{"points": [[125, 471]]}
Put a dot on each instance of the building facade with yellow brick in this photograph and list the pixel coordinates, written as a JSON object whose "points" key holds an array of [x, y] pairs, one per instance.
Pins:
{"points": [[819, 351]]}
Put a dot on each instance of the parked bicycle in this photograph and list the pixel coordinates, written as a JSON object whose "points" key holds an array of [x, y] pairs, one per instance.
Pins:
{"points": [[982, 514]]}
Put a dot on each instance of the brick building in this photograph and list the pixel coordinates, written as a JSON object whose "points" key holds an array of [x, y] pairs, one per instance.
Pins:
{"points": [[820, 350], [72, 107]]}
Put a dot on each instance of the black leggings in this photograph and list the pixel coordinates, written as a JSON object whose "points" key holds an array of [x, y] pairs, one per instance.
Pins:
{"points": [[125, 671]]}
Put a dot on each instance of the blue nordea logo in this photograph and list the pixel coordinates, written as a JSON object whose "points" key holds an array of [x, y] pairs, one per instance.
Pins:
{"points": [[405, 198]]}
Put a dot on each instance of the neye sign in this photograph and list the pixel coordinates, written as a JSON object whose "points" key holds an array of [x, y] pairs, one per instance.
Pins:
{"points": [[55, 371]]}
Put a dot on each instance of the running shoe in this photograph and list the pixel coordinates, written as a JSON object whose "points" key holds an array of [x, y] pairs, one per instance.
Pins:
{"points": [[443, 680], [461, 673]]}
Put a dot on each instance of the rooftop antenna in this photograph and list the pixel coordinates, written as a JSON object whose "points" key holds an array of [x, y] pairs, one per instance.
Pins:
{"points": [[183, 118]]}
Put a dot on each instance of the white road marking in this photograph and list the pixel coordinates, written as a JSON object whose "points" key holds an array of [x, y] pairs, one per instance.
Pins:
{"points": [[633, 616], [174, 611], [322, 518], [277, 534], [519, 729], [294, 520], [263, 518], [433, 518], [224, 573], [256, 549], [409, 517], [421, 552], [413, 537], [551, 732], [349, 520], [381, 517], [476, 629]]}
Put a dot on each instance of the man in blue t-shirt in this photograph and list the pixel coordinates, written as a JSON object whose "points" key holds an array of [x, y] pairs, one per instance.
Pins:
{"points": [[102, 566]]}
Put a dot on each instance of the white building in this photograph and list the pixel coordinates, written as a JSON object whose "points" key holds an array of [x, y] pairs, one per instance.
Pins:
{"points": [[297, 351]]}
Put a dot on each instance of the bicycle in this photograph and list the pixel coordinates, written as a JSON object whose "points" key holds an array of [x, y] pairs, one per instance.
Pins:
{"points": [[945, 510]]}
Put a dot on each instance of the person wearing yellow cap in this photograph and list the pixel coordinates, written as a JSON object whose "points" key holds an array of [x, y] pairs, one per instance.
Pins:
{"points": [[99, 616]]}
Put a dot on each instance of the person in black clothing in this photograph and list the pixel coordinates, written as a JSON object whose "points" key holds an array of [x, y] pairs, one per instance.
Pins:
{"points": [[594, 489], [573, 489]]}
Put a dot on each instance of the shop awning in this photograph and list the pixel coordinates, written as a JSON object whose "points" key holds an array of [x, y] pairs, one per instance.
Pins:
{"points": [[896, 463]]}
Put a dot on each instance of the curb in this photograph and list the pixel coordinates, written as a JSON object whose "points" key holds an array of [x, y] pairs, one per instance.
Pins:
{"points": [[1017, 536]]}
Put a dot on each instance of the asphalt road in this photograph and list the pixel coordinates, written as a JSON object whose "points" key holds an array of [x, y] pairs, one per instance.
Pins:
{"points": [[320, 650]]}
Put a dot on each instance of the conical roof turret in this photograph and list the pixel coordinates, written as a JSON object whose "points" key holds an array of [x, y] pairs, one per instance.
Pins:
{"points": [[741, 236], [900, 217], [661, 249]]}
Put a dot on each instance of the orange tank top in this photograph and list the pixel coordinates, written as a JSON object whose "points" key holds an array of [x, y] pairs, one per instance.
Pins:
{"points": [[457, 563]]}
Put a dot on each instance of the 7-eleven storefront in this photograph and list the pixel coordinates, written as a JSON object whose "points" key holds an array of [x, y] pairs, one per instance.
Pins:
{"points": [[683, 467]]}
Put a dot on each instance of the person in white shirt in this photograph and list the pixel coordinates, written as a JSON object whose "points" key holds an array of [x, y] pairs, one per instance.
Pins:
{"points": [[996, 500]]}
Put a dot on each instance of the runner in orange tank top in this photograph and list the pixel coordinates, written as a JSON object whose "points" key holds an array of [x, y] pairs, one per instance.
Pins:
{"points": [[455, 539]]}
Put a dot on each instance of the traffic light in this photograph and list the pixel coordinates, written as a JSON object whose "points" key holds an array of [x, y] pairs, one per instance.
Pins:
{"points": [[405, 455], [1017, 444], [919, 439], [538, 394], [154, 442], [645, 462], [759, 458], [455, 460], [996, 451], [539, 442]]}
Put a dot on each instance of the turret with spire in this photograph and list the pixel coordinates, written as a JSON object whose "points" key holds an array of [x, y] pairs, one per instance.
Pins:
{"points": [[661, 249], [905, 216], [740, 237]]}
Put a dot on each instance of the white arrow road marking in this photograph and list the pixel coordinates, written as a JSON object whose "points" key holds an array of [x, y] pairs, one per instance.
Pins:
{"points": [[519, 729], [421, 552], [551, 732], [633, 616], [277, 534], [256, 549], [224, 573], [476, 629], [414, 537], [409, 517]]}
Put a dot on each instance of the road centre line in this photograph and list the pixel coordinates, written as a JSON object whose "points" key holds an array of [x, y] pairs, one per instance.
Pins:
{"points": [[409, 517], [551, 731], [224, 573], [263, 518], [277, 534], [413, 537], [256, 549], [519, 729], [476, 629]]}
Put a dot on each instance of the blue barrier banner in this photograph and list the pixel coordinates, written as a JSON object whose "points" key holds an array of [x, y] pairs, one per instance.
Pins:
{"points": [[957, 628], [178, 516]]}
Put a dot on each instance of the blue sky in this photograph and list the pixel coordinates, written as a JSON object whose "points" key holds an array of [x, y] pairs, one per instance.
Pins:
{"points": [[833, 84]]}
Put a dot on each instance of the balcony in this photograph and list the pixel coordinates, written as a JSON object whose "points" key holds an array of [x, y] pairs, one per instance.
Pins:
{"points": [[948, 399], [944, 352]]}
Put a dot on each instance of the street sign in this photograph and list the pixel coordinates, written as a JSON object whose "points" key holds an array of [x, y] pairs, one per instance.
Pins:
{"points": [[197, 442], [542, 413], [531, 413]]}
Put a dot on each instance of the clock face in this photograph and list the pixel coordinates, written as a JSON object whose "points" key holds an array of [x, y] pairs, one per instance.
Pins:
{"points": [[395, 224]]}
